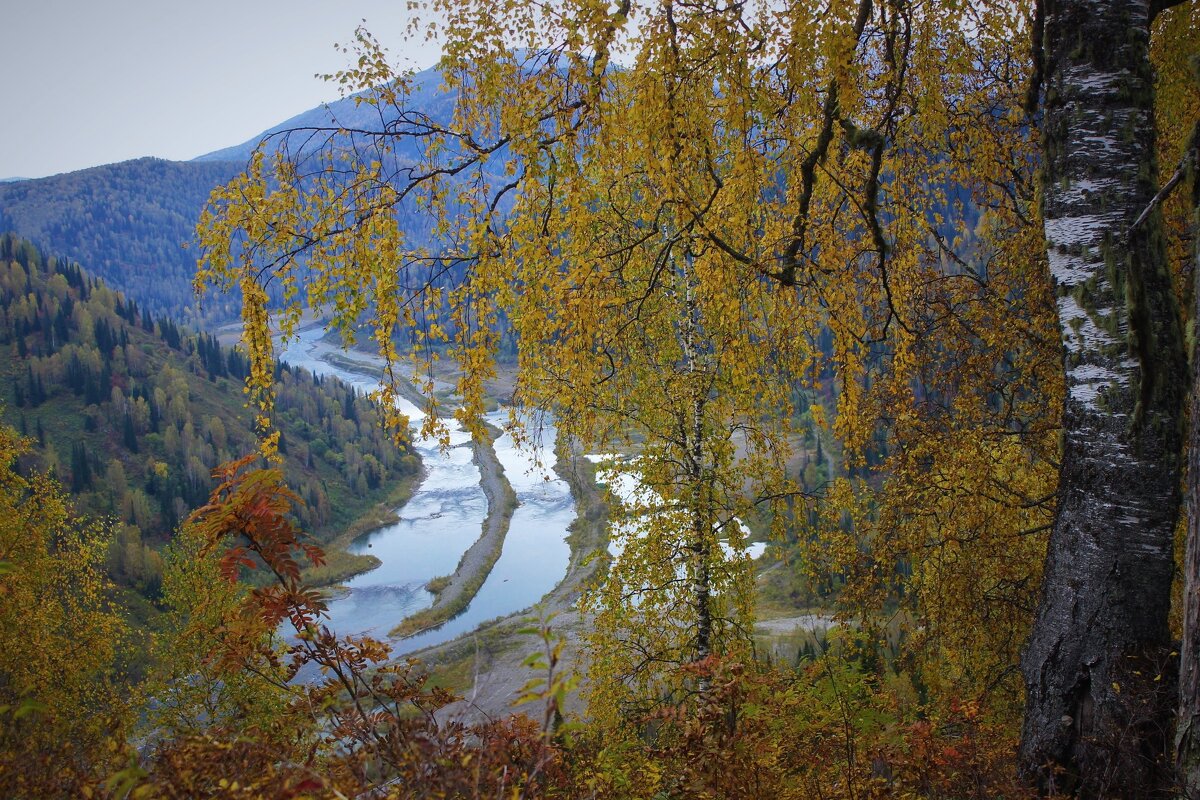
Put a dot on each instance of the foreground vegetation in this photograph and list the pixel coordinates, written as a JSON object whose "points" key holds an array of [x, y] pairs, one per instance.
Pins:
{"points": [[225, 721]]}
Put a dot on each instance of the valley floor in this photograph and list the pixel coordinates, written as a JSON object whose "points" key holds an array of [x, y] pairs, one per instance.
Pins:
{"points": [[486, 666]]}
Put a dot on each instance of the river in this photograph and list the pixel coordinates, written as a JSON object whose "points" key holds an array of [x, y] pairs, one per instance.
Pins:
{"points": [[440, 521], [620, 475]]}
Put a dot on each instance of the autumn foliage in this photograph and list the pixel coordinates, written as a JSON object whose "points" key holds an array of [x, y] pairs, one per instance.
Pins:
{"points": [[344, 719], [777, 229], [64, 715], [228, 718]]}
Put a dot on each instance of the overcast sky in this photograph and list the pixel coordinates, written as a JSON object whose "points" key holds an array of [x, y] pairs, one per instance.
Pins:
{"points": [[88, 82]]}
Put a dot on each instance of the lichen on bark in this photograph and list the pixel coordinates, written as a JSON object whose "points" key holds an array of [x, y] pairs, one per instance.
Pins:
{"points": [[1097, 668]]}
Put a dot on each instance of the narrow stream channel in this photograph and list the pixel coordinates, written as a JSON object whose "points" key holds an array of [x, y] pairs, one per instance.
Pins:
{"points": [[441, 520], [535, 555]]}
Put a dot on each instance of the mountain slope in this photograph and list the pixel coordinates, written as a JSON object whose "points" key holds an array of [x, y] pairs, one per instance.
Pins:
{"points": [[132, 413], [126, 221], [426, 95]]}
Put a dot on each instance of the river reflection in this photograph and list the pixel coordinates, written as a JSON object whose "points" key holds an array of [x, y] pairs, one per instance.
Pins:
{"points": [[535, 554], [441, 520]]}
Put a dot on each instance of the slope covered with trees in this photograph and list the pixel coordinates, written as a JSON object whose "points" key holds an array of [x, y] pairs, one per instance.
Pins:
{"points": [[63, 710], [133, 413], [127, 222]]}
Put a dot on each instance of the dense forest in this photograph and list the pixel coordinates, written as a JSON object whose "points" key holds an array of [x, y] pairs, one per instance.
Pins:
{"points": [[127, 222], [132, 223], [132, 413]]}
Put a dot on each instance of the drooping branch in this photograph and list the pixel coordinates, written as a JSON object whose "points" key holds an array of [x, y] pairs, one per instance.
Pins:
{"points": [[786, 275]]}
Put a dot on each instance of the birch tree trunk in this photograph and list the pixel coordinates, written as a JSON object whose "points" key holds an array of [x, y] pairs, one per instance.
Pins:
{"points": [[1098, 680], [697, 471], [1187, 736]]}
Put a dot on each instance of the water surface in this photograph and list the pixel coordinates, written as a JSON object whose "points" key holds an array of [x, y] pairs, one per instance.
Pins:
{"points": [[443, 518]]}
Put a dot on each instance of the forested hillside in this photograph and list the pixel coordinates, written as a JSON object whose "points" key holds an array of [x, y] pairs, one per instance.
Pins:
{"points": [[127, 222], [132, 413], [130, 222]]}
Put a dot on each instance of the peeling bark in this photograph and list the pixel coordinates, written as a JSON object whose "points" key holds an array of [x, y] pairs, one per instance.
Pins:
{"points": [[1097, 667], [1187, 735]]}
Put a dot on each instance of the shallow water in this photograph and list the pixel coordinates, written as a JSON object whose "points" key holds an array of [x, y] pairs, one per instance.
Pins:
{"points": [[442, 519], [535, 554]]}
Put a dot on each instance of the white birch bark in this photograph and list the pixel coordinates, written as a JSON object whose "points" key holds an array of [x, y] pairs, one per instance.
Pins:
{"points": [[1098, 699]]}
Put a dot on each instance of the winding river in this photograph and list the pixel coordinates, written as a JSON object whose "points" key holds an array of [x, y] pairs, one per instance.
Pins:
{"points": [[441, 520]]}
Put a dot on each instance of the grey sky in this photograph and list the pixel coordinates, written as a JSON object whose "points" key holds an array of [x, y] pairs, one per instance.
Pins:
{"points": [[87, 82]]}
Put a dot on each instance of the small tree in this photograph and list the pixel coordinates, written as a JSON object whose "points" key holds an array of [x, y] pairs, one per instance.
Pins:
{"points": [[64, 714]]}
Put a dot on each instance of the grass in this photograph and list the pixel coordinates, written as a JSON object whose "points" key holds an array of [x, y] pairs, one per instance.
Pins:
{"points": [[339, 566], [456, 666], [455, 676], [438, 585]]}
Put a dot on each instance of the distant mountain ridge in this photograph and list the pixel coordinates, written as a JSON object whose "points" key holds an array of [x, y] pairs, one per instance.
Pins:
{"points": [[426, 95], [129, 221]]}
